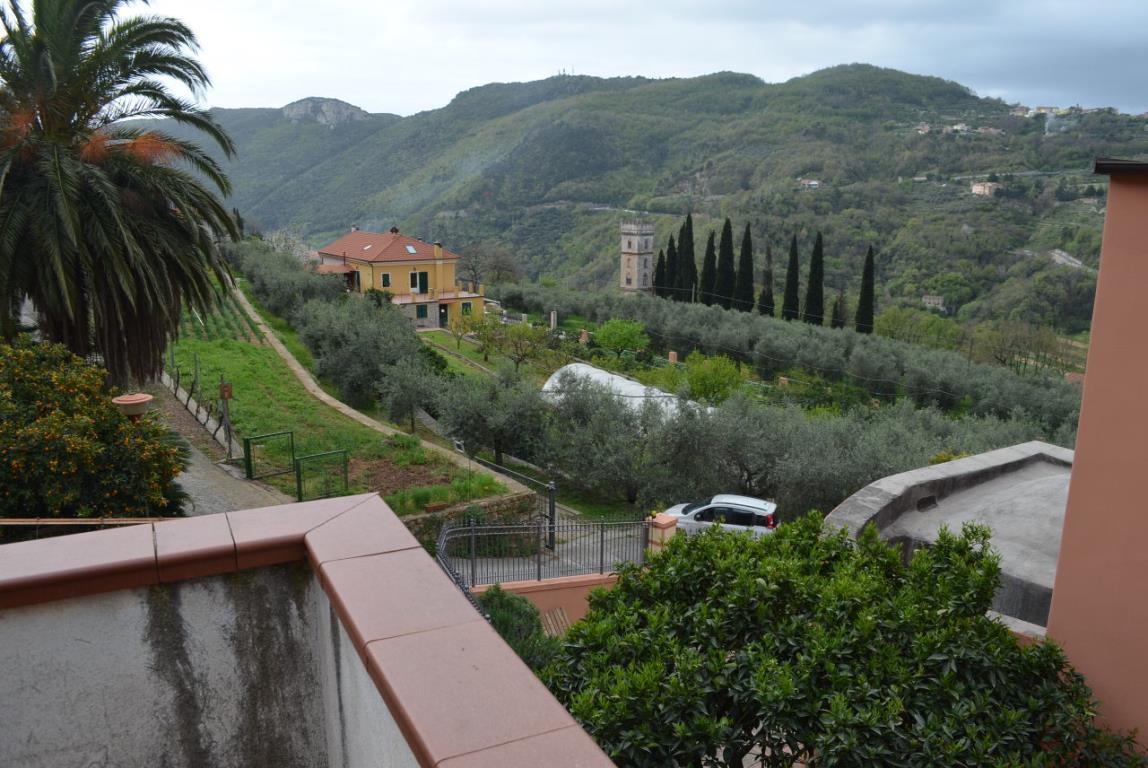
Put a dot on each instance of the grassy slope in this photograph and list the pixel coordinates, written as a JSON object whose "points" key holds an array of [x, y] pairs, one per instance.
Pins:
{"points": [[268, 398]]}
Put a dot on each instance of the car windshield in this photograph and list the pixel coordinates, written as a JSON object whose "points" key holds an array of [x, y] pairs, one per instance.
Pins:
{"points": [[692, 506]]}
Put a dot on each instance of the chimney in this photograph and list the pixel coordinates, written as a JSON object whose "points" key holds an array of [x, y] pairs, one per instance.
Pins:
{"points": [[437, 249], [394, 230], [354, 227]]}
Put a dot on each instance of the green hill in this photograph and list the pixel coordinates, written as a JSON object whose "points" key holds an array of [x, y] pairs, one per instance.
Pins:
{"points": [[548, 168]]}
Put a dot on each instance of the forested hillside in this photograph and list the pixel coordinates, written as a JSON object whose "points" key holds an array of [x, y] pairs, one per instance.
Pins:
{"points": [[547, 169]]}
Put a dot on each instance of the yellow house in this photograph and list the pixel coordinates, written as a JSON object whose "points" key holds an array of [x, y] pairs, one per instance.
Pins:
{"points": [[420, 276]]}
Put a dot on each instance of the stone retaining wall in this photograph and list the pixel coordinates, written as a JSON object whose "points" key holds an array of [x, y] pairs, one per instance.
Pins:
{"points": [[508, 508]]}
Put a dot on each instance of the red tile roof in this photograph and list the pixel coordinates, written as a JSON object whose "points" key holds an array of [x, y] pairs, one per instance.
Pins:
{"points": [[374, 247]]}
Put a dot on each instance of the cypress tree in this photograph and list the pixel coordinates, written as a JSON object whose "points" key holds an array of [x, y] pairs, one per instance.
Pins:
{"points": [[789, 302], [866, 304], [687, 276], [671, 269], [743, 289], [724, 282], [814, 311], [709, 271], [837, 316], [765, 300], [660, 274]]}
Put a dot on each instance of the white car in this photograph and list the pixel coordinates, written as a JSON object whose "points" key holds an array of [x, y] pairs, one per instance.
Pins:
{"points": [[730, 511]]}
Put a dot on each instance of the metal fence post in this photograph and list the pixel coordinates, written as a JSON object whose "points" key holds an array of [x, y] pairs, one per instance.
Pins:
{"points": [[551, 493], [473, 553], [298, 480], [538, 553], [248, 463], [602, 548], [645, 543]]}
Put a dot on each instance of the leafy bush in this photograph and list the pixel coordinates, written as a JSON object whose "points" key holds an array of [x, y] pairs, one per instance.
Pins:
{"points": [[801, 647], [67, 451], [280, 280], [518, 622]]}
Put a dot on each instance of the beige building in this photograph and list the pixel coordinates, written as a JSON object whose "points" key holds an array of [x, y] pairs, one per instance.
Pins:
{"points": [[637, 273], [985, 188], [421, 277]]}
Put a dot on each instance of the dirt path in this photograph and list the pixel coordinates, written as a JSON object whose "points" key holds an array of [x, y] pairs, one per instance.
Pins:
{"points": [[308, 381]]}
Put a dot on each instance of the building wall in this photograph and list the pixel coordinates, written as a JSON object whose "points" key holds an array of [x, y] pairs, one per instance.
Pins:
{"points": [[248, 669], [360, 730], [1099, 613], [204, 673], [569, 593], [440, 275]]}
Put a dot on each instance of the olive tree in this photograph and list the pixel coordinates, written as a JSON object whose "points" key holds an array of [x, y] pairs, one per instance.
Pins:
{"points": [[503, 413]]}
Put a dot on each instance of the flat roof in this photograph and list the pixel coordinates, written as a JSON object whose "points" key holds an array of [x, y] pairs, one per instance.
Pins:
{"points": [[1024, 508], [1109, 166]]}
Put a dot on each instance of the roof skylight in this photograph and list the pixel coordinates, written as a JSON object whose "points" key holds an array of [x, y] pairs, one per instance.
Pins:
{"points": [[411, 249], [367, 247]]}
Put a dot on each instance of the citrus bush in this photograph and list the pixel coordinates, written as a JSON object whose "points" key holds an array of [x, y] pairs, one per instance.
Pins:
{"points": [[802, 648], [67, 451]]}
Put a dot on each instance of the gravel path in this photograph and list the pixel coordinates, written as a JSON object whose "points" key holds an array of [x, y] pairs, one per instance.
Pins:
{"points": [[213, 490]]}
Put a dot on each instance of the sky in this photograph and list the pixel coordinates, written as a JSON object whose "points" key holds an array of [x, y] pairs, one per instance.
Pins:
{"points": [[406, 56]]}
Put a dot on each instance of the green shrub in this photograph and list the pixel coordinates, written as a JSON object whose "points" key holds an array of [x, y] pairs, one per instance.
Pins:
{"points": [[802, 647], [518, 622], [67, 451]]}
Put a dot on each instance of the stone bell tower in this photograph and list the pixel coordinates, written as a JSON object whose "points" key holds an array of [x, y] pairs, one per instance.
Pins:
{"points": [[637, 273]]}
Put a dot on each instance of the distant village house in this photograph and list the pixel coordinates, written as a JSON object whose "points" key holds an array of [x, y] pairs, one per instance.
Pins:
{"points": [[985, 188], [420, 276], [932, 301], [809, 183]]}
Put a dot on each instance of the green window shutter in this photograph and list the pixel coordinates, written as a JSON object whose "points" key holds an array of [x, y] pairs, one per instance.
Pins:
{"points": [[386, 279], [466, 307], [421, 311]]}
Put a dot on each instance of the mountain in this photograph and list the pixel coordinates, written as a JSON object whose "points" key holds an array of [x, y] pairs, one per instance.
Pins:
{"points": [[548, 168]]}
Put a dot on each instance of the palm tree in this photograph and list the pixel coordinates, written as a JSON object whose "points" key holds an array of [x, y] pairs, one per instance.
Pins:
{"points": [[110, 229]]}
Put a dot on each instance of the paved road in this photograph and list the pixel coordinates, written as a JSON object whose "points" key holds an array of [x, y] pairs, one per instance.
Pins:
{"points": [[213, 490]]}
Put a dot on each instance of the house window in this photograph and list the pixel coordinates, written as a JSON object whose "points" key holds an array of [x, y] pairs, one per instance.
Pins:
{"points": [[415, 282], [466, 309], [386, 280], [421, 311]]}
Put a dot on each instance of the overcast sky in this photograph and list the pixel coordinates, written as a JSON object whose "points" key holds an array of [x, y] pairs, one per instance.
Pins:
{"points": [[406, 56]]}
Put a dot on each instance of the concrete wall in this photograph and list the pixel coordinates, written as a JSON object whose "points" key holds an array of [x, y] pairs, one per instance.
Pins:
{"points": [[248, 669], [205, 673], [1099, 613], [359, 728]]}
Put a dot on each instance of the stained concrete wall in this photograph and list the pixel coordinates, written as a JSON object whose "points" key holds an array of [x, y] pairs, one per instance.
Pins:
{"points": [[248, 669], [360, 730]]}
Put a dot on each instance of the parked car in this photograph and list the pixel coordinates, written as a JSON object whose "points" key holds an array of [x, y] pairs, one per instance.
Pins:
{"points": [[730, 511]]}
